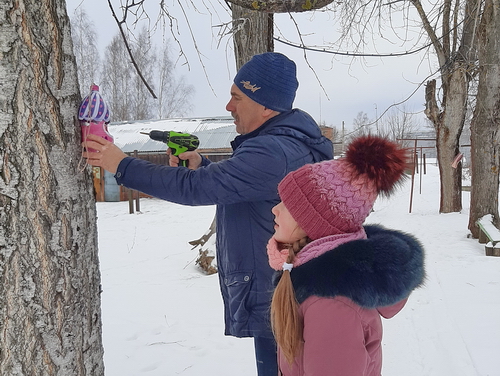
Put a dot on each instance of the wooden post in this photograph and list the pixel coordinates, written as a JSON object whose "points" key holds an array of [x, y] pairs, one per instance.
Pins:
{"points": [[130, 201], [138, 194], [137, 201]]}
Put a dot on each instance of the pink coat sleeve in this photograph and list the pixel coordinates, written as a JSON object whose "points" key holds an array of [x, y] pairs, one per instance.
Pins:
{"points": [[334, 338]]}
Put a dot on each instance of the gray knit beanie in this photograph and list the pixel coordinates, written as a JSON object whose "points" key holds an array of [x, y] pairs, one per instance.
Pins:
{"points": [[269, 79]]}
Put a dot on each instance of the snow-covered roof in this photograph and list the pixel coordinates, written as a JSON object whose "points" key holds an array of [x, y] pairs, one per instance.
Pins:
{"points": [[218, 138], [214, 132]]}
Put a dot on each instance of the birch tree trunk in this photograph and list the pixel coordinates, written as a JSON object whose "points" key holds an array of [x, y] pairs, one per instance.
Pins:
{"points": [[485, 127], [50, 319]]}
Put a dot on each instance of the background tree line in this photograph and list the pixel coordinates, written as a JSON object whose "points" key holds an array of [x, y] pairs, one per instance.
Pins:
{"points": [[123, 89]]}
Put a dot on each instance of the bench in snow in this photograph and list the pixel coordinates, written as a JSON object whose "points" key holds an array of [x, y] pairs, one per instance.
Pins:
{"points": [[489, 234]]}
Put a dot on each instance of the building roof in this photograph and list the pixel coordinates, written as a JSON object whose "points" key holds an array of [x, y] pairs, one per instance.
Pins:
{"points": [[214, 132]]}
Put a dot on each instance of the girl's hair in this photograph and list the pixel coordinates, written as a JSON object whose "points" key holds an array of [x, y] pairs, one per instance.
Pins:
{"points": [[286, 322]]}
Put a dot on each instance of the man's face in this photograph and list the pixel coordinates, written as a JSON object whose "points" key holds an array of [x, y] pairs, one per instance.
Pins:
{"points": [[248, 115]]}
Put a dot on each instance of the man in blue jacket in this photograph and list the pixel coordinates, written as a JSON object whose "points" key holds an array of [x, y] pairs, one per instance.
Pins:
{"points": [[273, 140]]}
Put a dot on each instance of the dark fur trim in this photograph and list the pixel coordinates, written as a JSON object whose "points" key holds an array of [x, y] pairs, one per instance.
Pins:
{"points": [[374, 272]]}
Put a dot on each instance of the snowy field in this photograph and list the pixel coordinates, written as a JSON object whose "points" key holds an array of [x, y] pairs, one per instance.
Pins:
{"points": [[161, 316]]}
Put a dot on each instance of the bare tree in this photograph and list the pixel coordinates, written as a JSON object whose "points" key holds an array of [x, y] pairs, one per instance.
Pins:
{"points": [[174, 94], [85, 48], [50, 318], [336, 134], [398, 124], [362, 125], [116, 80], [451, 28], [128, 97], [142, 103]]}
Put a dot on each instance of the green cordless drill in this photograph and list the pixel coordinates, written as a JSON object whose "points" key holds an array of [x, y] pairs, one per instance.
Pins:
{"points": [[177, 142]]}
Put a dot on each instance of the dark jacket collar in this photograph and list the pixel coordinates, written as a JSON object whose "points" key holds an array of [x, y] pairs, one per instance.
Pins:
{"points": [[297, 125]]}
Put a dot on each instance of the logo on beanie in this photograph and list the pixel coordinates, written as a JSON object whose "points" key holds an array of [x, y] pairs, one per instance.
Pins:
{"points": [[246, 85]]}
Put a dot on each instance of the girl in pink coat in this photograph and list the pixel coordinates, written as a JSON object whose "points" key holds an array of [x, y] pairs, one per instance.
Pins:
{"points": [[336, 277]]}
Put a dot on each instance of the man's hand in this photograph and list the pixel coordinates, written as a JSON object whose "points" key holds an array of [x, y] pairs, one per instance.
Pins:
{"points": [[193, 158], [106, 154]]}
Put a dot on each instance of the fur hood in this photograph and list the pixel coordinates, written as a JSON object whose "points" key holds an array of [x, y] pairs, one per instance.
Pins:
{"points": [[375, 272]]}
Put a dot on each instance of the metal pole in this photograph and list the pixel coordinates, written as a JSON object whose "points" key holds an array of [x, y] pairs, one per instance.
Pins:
{"points": [[343, 134], [421, 170], [413, 176]]}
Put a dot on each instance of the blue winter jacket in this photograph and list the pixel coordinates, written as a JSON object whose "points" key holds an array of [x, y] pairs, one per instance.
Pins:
{"points": [[244, 188]]}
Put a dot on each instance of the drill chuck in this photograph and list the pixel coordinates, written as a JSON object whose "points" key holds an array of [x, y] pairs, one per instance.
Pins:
{"points": [[160, 136], [177, 142]]}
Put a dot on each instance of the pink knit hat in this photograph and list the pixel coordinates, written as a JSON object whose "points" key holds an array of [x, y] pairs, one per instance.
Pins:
{"points": [[335, 196]]}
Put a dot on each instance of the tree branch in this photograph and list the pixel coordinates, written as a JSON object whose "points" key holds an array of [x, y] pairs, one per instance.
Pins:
{"points": [[305, 57], [129, 50], [347, 53], [195, 44], [438, 46]]}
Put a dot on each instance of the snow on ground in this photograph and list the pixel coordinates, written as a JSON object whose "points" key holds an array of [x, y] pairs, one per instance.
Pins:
{"points": [[161, 316]]}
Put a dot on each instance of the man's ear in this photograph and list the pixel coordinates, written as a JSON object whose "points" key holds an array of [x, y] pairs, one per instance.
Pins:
{"points": [[268, 113]]}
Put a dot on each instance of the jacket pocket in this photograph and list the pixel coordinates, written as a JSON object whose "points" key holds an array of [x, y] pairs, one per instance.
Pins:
{"points": [[238, 287]]}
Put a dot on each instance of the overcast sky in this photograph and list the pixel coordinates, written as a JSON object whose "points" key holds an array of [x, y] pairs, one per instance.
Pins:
{"points": [[370, 85]]}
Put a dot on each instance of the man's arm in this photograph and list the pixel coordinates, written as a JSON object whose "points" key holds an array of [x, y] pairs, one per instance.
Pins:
{"points": [[109, 156], [251, 174]]}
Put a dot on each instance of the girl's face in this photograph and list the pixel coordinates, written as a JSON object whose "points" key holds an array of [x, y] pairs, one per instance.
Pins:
{"points": [[286, 230]]}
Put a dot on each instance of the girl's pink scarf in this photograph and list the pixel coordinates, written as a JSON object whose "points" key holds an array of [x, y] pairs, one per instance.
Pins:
{"points": [[314, 249]]}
